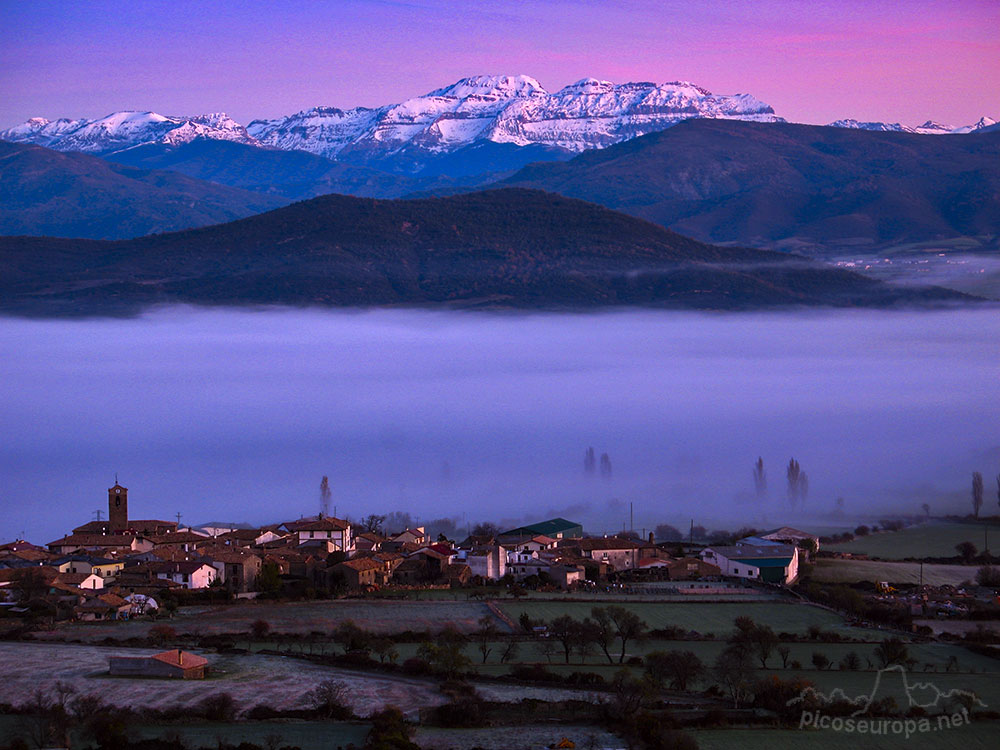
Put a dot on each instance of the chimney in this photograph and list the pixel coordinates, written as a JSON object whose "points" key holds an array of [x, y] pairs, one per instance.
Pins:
{"points": [[180, 659]]}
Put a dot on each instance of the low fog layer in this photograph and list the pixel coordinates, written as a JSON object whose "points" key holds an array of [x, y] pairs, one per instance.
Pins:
{"points": [[235, 416]]}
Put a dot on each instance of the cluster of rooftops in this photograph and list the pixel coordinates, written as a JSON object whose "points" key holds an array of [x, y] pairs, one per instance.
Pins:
{"points": [[105, 573]]}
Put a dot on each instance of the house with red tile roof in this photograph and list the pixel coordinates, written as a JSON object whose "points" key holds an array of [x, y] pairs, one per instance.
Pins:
{"points": [[175, 664]]}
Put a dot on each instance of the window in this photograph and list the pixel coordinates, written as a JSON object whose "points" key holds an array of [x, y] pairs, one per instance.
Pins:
{"points": [[736, 570]]}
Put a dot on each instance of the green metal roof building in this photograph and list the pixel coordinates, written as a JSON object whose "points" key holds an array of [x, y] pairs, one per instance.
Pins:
{"points": [[557, 528]]}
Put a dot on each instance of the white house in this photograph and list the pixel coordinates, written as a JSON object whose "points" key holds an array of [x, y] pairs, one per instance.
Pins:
{"points": [[485, 562], [92, 582], [770, 563], [189, 574], [332, 530]]}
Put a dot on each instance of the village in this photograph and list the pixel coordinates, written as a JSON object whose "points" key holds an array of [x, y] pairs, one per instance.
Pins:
{"points": [[534, 636], [114, 569]]}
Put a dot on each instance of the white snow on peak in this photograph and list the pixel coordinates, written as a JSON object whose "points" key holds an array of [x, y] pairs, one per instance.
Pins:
{"points": [[502, 87], [852, 124], [126, 129], [930, 127], [590, 113], [982, 122]]}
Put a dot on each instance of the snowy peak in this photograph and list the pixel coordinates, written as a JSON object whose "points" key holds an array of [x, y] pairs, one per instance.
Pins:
{"points": [[888, 127], [40, 131], [928, 128], [514, 109], [982, 122], [495, 87], [590, 113], [121, 130]]}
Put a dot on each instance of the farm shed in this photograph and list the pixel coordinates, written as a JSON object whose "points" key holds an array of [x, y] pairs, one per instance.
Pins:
{"points": [[176, 664]]}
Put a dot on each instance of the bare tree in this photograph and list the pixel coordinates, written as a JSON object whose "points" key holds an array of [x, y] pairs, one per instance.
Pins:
{"points": [[329, 698], [509, 651], [372, 523], [977, 493], [733, 670], [628, 627], [678, 668], [485, 636], [793, 472], [927, 509], [324, 496], [760, 479], [604, 631], [627, 694], [764, 642], [485, 528], [566, 631]]}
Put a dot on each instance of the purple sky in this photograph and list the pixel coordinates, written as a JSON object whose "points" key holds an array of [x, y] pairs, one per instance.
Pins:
{"points": [[813, 61]]}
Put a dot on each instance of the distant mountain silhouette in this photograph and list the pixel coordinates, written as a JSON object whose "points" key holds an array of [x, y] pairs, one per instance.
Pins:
{"points": [[778, 185], [49, 193], [299, 175], [499, 248]]}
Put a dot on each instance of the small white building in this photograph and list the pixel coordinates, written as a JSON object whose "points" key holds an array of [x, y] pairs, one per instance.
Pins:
{"points": [[189, 574], [485, 562], [770, 564], [335, 531]]}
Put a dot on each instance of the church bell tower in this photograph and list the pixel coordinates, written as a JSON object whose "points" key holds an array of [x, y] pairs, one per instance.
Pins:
{"points": [[117, 509]]}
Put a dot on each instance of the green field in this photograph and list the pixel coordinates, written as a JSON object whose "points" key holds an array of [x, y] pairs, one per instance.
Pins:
{"points": [[528, 737], [930, 539], [703, 617], [376, 616], [851, 571], [975, 736], [308, 735]]}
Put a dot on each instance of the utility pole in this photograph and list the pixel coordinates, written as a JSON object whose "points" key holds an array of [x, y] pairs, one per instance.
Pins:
{"points": [[178, 519], [97, 514], [631, 523]]}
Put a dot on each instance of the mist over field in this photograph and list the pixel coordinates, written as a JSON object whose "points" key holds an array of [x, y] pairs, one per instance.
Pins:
{"points": [[236, 415]]}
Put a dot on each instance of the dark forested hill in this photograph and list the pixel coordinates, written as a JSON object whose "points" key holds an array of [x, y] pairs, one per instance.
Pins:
{"points": [[793, 186], [45, 192], [513, 248]]}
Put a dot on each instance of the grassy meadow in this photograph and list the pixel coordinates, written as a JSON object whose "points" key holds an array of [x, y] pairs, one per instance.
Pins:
{"points": [[929, 539], [829, 570]]}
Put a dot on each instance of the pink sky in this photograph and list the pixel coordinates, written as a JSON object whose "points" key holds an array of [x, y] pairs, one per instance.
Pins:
{"points": [[812, 61]]}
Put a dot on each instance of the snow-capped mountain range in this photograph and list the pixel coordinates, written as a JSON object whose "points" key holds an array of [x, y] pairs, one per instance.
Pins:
{"points": [[502, 109], [928, 128], [506, 109], [122, 130]]}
